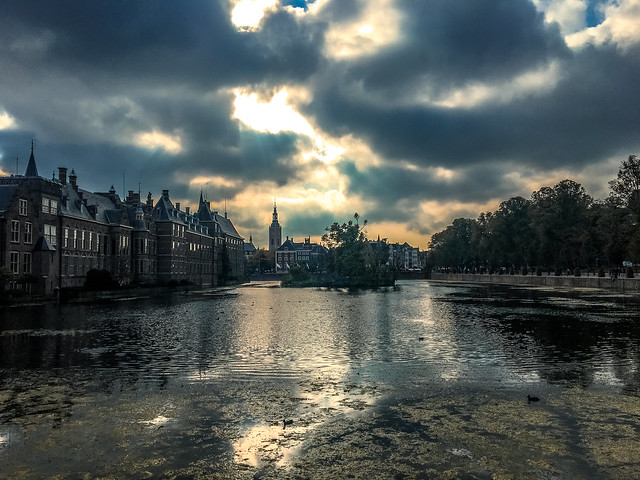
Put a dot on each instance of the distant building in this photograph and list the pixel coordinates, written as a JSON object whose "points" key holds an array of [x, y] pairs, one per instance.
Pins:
{"points": [[291, 253], [249, 248], [229, 243], [52, 233], [404, 256], [275, 231]]}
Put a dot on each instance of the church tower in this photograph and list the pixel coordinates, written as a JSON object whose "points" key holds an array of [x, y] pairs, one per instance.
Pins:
{"points": [[275, 231]]}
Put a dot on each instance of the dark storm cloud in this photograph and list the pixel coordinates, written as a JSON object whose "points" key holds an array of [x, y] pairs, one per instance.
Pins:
{"points": [[473, 184], [586, 117], [85, 78], [449, 44], [162, 42], [98, 72], [307, 223]]}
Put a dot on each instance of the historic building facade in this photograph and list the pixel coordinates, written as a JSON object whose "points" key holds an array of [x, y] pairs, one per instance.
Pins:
{"points": [[52, 233], [304, 253]]}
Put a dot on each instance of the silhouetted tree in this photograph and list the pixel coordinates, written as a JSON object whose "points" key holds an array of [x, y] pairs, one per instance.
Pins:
{"points": [[626, 187]]}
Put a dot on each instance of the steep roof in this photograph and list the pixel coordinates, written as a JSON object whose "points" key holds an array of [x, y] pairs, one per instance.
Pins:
{"points": [[204, 211], [164, 211], [226, 225], [42, 245], [32, 169], [72, 205]]}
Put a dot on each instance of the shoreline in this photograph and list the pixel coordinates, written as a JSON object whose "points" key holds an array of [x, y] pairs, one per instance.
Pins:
{"points": [[620, 285]]}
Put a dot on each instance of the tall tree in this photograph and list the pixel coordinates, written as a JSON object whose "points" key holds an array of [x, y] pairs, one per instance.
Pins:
{"points": [[346, 243], [560, 219], [626, 188]]}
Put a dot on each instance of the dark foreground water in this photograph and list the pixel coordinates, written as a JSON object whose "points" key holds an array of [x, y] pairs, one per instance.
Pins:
{"points": [[424, 381]]}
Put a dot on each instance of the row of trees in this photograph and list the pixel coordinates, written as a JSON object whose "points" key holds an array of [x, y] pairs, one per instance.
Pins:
{"points": [[560, 227]]}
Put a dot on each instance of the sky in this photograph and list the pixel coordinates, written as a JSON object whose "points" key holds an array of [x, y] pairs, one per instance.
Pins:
{"points": [[409, 112]]}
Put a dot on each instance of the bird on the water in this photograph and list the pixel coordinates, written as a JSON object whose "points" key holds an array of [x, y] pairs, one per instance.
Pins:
{"points": [[532, 399]]}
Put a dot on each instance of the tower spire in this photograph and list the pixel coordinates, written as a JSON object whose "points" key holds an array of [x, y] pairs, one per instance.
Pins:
{"points": [[275, 230], [32, 169]]}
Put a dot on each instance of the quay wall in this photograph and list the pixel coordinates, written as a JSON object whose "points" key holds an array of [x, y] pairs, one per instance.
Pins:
{"points": [[625, 285]]}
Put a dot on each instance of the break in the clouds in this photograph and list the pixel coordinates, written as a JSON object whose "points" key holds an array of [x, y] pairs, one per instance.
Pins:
{"points": [[410, 112]]}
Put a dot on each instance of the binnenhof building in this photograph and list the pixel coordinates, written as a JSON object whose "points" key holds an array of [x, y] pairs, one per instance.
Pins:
{"points": [[52, 233]]}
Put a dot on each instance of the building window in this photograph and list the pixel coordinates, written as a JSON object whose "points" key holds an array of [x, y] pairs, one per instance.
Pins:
{"points": [[83, 240], [54, 207], [23, 208], [75, 238], [65, 242], [15, 231], [28, 232], [50, 234], [90, 241], [13, 262], [46, 205], [26, 262]]}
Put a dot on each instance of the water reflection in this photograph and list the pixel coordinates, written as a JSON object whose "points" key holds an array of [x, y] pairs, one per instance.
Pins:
{"points": [[240, 362]]}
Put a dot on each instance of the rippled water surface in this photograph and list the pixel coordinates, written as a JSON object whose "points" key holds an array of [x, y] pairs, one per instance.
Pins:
{"points": [[257, 381]]}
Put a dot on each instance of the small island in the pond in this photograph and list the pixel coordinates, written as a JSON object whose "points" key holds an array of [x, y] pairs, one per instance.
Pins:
{"points": [[352, 261]]}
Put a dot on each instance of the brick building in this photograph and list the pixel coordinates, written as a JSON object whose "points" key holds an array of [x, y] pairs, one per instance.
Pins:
{"points": [[52, 233]]}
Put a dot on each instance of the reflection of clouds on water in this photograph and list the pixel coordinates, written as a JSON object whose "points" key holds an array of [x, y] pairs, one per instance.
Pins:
{"points": [[159, 421], [319, 400], [268, 444]]}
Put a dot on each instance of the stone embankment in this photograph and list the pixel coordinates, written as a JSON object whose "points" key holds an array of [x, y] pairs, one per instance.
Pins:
{"points": [[624, 285]]}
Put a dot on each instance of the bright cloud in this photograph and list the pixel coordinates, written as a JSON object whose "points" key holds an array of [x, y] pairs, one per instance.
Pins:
{"points": [[7, 122], [569, 14], [273, 117], [155, 139], [247, 14], [379, 26], [620, 26], [210, 181], [536, 82]]}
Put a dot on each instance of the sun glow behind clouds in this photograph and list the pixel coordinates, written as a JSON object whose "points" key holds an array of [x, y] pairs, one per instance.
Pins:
{"points": [[214, 180], [7, 121], [377, 27], [273, 117], [247, 14], [155, 139]]}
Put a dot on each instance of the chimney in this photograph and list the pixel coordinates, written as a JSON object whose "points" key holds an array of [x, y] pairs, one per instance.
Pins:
{"points": [[165, 193], [178, 206], [62, 175], [149, 200], [187, 209], [73, 179]]}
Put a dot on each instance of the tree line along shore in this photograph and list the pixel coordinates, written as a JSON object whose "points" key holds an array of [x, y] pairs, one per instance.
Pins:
{"points": [[560, 230]]}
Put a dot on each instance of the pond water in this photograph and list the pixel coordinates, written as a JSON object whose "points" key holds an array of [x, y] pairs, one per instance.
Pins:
{"points": [[427, 380]]}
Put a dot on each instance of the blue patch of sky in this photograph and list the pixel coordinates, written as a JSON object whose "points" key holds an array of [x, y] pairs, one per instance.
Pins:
{"points": [[594, 15], [298, 3]]}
